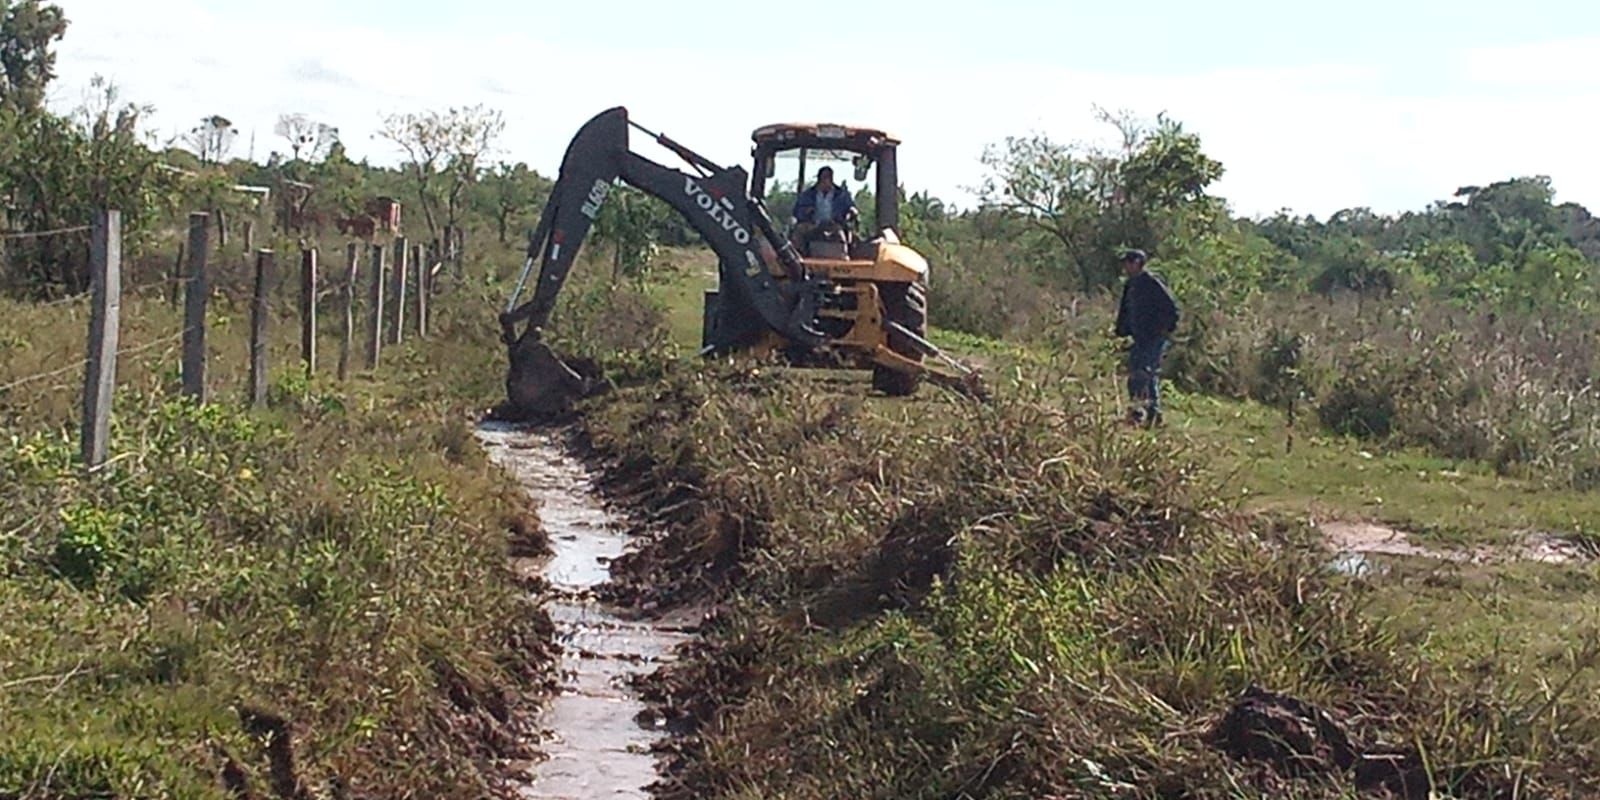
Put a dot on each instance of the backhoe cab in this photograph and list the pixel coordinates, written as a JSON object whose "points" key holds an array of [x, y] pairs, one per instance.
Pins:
{"points": [[859, 302], [881, 285]]}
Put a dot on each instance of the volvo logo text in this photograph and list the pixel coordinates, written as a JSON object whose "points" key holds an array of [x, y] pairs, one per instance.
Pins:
{"points": [[718, 213]]}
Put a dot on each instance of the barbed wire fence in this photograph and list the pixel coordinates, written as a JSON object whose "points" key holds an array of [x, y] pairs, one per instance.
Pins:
{"points": [[191, 277]]}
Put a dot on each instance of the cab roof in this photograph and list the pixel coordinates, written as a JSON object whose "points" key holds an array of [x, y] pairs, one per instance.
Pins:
{"points": [[821, 134]]}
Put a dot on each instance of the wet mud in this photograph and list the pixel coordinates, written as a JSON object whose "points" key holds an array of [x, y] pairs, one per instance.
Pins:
{"points": [[597, 733]]}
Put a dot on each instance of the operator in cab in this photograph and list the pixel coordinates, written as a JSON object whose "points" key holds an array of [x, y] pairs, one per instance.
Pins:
{"points": [[823, 205]]}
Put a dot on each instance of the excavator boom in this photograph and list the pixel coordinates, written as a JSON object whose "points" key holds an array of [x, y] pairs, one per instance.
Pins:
{"points": [[766, 293], [716, 204]]}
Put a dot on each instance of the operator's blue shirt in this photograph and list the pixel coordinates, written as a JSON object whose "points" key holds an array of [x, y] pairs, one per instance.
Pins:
{"points": [[832, 207]]}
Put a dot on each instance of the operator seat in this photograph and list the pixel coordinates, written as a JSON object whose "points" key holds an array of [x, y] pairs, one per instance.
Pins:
{"points": [[828, 245]]}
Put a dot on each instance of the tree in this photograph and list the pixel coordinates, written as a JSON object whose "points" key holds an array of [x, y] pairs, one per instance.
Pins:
{"points": [[1507, 219], [58, 171], [212, 139], [1093, 201], [1165, 167], [509, 190], [27, 30], [442, 150], [306, 136], [630, 221], [1057, 189]]}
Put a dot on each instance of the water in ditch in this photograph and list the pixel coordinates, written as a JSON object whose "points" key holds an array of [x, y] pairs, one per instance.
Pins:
{"points": [[596, 732]]}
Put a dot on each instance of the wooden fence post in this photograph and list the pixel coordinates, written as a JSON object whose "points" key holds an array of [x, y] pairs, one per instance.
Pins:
{"points": [[421, 289], [308, 310], [397, 333], [448, 240], [352, 256], [258, 329], [375, 309], [175, 280], [249, 235], [195, 293], [100, 376], [435, 268]]}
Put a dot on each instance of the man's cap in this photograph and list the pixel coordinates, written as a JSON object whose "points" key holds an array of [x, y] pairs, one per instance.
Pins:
{"points": [[1134, 255]]}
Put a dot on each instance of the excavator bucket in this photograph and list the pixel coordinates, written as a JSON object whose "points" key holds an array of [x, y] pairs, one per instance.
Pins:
{"points": [[539, 383]]}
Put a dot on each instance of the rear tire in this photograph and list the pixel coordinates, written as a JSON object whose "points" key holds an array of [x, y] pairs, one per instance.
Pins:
{"points": [[907, 304]]}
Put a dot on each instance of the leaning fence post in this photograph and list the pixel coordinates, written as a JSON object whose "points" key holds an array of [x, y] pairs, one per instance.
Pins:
{"points": [[352, 254], [421, 290], [435, 255], [375, 309], [258, 329], [435, 266], [397, 334], [100, 377], [308, 310], [195, 294]]}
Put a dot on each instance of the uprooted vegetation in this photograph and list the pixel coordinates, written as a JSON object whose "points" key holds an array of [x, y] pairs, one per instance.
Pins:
{"points": [[943, 600]]}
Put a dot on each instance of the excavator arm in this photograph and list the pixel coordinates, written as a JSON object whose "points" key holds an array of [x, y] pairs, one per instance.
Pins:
{"points": [[714, 202]]}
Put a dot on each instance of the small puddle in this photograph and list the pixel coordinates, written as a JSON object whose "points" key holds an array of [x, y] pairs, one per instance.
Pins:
{"points": [[1355, 565], [1355, 543], [596, 740]]}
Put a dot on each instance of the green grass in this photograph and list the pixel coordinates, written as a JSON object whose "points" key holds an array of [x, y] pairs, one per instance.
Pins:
{"points": [[1452, 502], [678, 286], [335, 560], [929, 599], [1321, 476], [914, 590]]}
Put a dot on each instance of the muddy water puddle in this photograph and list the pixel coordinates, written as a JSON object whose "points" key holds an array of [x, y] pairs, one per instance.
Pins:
{"points": [[1356, 544], [597, 735]]}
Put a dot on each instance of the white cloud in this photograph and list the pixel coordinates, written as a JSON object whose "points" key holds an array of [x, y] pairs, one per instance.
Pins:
{"points": [[1314, 139]]}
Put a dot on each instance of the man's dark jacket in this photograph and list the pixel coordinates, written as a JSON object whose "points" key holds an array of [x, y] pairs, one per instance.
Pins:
{"points": [[805, 206], [1148, 309]]}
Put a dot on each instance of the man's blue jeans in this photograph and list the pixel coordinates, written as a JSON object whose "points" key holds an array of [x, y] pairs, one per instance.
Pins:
{"points": [[1144, 375]]}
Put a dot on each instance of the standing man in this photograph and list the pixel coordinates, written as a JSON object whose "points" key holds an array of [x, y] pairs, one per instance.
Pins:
{"points": [[1149, 314]]}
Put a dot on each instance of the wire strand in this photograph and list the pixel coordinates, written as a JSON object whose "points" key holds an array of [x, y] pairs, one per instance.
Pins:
{"points": [[82, 362], [41, 234]]}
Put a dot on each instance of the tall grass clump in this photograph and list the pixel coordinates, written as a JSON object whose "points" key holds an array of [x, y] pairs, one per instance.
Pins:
{"points": [[934, 599]]}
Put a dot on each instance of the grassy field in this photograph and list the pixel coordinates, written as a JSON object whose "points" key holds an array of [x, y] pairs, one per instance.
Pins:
{"points": [[1299, 470], [307, 600], [930, 599]]}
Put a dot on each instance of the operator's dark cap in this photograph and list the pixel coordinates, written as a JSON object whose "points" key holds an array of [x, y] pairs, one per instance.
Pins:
{"points": [[1134, 255]]}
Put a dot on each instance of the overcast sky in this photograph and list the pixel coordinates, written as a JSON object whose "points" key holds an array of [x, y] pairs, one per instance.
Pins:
{"points": [[1311, 107]]}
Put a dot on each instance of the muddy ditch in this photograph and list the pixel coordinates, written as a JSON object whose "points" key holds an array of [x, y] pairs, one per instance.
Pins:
{"points": [[597, 735]]}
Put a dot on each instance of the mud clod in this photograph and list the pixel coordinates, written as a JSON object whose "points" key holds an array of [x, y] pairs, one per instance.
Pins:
{"points": [[274, 730], [1286, 732], [1299, 740]]}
